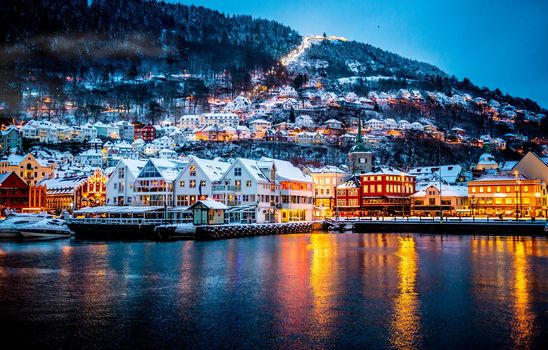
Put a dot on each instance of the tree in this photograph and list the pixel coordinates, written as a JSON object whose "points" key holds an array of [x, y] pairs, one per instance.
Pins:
{"points": [[298, 83], [155, 112]]}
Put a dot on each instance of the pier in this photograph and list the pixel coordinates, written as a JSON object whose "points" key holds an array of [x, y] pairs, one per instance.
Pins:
{"points": [[215, 232], [463, 226]]}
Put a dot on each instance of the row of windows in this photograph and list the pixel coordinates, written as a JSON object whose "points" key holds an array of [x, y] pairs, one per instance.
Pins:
{"points": [[498, 189]]}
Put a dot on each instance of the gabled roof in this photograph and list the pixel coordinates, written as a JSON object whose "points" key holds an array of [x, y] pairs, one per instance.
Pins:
{"points": [[213, 169], [287, 171], [211, 204]]}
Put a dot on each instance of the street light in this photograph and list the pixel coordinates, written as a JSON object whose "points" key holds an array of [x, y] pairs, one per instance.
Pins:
{"points": [[516, 192], [402, 196]]}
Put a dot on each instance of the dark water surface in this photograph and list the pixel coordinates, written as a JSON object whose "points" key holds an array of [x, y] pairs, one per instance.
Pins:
{"points": [[298, 291]]}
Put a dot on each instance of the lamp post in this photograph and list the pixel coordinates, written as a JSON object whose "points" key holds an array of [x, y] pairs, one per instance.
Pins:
{"points": [[516, 192], [402, 196]]}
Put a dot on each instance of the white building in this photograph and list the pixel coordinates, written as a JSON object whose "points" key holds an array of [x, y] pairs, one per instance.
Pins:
{"points": [[189, 122], [219, 119], [374, 124], [154, 185], [304, 121], [196, 180], [121, 181], [259, 127]]}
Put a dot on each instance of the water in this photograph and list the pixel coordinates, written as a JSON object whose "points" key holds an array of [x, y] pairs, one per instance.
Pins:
{"points": [[297, 292]]}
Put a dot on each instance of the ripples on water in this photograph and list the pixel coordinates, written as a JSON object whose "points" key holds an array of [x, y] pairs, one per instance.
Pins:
{"points": [[298, 291]]}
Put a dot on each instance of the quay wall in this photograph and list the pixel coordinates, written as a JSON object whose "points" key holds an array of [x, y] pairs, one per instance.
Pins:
{"points": [[207, 233], [462, 228]]}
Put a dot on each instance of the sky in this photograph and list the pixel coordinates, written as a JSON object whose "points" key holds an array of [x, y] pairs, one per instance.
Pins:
{"points": [[499, 44]]}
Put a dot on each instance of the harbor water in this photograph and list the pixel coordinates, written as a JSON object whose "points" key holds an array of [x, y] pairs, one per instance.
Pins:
{"points": [[379, 291]]}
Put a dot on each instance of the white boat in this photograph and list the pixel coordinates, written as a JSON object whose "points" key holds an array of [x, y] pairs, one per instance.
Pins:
{"points": [[9, 228], [46, 229]]}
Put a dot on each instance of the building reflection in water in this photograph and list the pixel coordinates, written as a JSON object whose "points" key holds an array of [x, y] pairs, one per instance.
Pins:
{"points": [[405, 328], [323, 278], [523, 323]]}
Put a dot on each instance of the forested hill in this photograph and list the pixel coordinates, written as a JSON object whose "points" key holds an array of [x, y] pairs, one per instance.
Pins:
{"points": [[65, 31]]}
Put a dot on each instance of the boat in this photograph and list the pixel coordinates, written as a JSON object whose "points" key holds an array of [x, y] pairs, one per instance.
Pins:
{"points": [[46, 229], [9, 228]]}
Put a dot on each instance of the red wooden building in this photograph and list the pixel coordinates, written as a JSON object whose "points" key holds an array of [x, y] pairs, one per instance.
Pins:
{"points": [[148, 133], [386, 191], [14, 192]]}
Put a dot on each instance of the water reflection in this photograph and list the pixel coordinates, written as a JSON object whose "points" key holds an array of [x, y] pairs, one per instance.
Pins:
{"points": [[405, 329], [522, 328], [323, 282]]}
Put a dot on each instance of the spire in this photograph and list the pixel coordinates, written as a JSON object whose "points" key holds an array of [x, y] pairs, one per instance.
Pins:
{"points": [[359, 139]]}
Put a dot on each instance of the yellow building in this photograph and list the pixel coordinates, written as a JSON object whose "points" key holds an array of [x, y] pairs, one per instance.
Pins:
{"points": [[325, 179], [507, 195], [28, 168]]}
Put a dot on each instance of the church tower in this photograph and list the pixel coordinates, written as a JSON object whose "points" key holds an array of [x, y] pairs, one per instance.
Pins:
{"points": [[360, 160]]}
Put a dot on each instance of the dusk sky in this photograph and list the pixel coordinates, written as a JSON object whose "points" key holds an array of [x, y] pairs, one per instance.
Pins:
{"points": [[500, 44]]}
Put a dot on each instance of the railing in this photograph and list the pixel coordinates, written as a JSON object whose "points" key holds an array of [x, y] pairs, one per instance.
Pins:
{"points": [[126, 221], [418, 219], [223, 188]]}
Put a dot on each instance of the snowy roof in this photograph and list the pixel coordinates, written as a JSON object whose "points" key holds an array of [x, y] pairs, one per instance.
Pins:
{"points": [[134, 166], [449, 173], [446, 190], [65, 183], [168, 168], [259, 170], [326, 169], [213, 169], [211, 204], [287, 171], [387, 171], [260, 121]]}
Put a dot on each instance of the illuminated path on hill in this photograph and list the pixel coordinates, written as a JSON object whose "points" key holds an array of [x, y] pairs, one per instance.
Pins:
{"points": [[307, 42]]}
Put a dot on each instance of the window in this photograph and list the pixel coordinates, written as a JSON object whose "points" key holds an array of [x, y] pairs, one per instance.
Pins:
{"points": [[193, 170], [379, 188], [365, 189], [489, 189], [181, 184], [508, 189], [202, 183], [237, 171], [525, 188], [248, 183], [526, 200], [192, 184], [432, 201], [473, 190], [498, 200], [481, 189], [498, 189], [507, 200]]}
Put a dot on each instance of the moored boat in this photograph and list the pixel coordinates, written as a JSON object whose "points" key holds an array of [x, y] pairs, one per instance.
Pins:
{"points": [[46, 229], [10, 227]]}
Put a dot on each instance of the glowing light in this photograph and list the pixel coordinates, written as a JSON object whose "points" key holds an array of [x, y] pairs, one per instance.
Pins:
{"points": [[522, 329], [405, 328]]}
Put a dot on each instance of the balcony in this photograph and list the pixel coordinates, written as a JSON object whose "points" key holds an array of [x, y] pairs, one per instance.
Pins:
{"points": [[223, 188]]}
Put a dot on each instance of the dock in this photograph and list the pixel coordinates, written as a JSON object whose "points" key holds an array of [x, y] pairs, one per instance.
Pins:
{"points": [[445, 226], [216, 232]]}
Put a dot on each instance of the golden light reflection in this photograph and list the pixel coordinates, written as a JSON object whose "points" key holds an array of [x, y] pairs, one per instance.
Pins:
{"points": [[322, 281], [523, 324], [405, 328]]}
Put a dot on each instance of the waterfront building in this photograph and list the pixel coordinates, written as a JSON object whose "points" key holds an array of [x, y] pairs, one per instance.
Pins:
{"points": [[14, 192], [208, 212], [507, 195], [326, 179], [386, 191], [91, 192], [55, 194], [348, 198], [250, 189], [196, 180], [154, 184], [296, 191], [119, 186], [28, 168], [453, 200], [107, 130]]}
